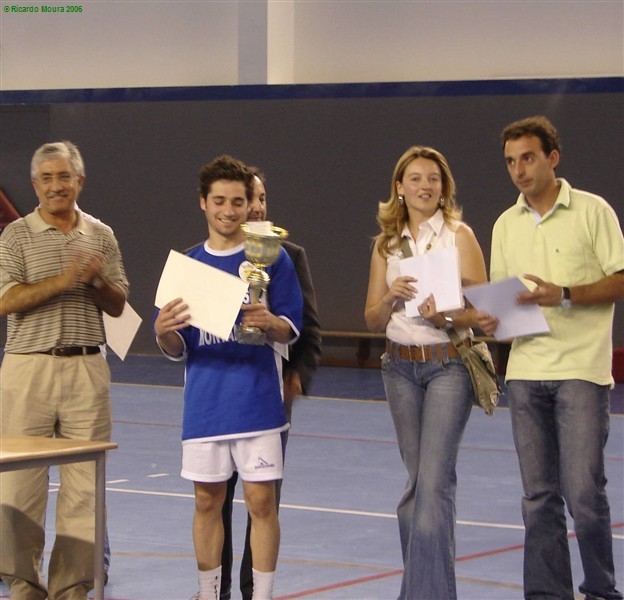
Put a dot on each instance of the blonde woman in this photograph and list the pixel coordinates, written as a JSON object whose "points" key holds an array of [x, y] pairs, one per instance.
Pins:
{"points": [[427, 386]]}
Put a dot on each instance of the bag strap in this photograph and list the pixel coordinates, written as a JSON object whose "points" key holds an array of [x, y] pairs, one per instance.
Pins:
{"points": [[405, 247], [457, 341]]}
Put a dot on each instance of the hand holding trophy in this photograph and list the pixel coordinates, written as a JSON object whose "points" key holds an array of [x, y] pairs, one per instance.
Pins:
{"points": [[262, 246]]}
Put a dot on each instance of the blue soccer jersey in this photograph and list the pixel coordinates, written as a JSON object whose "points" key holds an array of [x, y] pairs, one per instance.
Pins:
{"points": [[234, 390]]}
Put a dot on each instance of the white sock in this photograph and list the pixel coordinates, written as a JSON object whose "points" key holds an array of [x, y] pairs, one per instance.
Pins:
{"points": [[210, 584], [262, 585]]}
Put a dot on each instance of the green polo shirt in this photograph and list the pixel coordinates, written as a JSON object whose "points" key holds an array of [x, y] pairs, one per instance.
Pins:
{"points": [[578, 242]]}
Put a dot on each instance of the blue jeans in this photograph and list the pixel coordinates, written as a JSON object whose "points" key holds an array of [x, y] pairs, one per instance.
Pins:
{"points": [[430, 404], [560, 429]]}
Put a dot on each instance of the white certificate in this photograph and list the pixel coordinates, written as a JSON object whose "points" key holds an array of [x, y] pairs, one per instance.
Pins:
{"points": [[214, 297], [437, 273], [499, 300], [120, 331]]}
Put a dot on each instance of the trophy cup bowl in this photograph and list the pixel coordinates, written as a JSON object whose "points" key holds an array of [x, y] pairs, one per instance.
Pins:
{"points": [[262, 247]]}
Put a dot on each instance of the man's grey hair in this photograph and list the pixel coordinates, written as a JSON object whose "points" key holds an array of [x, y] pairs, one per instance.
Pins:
{"points": [[57, 150]]}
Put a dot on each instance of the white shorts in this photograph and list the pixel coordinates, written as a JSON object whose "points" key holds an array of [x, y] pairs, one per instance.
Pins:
{"points": [[255, 458]]}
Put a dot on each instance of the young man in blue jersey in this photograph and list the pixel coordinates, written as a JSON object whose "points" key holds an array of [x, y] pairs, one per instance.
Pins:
{"points": [[233, 408], [304, 357]]}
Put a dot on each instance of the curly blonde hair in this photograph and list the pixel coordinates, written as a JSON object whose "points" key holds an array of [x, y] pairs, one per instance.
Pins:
{"points": [[392, 215]]}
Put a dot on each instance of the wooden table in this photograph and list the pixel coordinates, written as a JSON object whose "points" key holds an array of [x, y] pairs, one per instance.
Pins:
{"points": [[27, 452]]}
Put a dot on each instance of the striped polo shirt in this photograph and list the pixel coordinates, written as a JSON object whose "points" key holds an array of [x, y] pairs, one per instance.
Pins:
{"points": [[31, 250]]}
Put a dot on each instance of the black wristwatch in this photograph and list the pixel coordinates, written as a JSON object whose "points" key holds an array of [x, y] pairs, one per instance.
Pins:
{"points": [[566, 301]]}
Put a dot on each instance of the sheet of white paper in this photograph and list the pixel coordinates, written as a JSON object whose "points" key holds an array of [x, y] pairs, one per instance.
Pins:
{"points": [[499, 299], [213, 296], [438, 274], [120, 331]]}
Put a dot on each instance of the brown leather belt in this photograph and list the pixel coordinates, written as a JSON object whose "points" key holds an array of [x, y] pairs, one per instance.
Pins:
{"points": [[433, 352], [71, 350]]}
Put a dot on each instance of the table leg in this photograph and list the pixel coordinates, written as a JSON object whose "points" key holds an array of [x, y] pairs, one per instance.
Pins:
{"points": [[100, 523]]}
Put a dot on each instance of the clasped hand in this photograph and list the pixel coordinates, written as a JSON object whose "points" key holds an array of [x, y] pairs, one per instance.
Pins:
{"points": [[401, 289], [257, 315], [427, 309], [83, 269], [484, 321]]}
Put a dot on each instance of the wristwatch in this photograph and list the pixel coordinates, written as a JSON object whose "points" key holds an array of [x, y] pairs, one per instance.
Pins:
{"points": [[566, 301], [448, 324]]}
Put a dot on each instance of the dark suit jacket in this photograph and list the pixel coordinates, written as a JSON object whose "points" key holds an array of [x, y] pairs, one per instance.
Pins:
{"points": [[305, 353]]}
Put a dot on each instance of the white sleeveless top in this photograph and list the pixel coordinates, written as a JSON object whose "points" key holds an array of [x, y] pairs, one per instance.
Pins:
{"points": [[413, 331]]}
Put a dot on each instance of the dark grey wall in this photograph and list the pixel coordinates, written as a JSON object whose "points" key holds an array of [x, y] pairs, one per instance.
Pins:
{"points": [[328, 162]]}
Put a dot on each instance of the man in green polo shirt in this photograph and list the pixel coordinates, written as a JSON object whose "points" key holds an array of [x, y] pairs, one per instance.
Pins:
{"points": [[568, 247]]}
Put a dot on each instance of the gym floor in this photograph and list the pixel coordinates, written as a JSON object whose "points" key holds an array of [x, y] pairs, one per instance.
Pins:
{"points": [[342, 482]]}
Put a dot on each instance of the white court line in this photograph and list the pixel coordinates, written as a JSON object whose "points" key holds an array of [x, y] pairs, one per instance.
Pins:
{"points": [[341, 511], [57, 483], [158, 475]]}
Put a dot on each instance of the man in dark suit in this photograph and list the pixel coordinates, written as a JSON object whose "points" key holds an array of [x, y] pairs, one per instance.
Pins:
{"points": [[297, 374]]}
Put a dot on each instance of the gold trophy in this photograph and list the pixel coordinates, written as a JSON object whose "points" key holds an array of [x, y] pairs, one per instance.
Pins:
{"points": [[262, 247]]}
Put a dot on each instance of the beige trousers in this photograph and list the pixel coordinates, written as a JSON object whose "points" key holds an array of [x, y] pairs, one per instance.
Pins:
{"points": [[53, 397]]}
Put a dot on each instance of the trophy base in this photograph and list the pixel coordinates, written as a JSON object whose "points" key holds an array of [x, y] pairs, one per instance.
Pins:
{"points": [[252, 336]]}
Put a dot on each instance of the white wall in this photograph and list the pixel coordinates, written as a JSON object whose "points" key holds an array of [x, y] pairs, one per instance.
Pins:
{"points": [[455, 40], [119, 44], [145, 43]]}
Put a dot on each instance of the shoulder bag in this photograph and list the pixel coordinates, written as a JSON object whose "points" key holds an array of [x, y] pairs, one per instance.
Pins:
{"points": [[478, 361]]}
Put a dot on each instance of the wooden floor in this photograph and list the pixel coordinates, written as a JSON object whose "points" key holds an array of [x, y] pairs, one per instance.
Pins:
{"points": [[342, 482]]}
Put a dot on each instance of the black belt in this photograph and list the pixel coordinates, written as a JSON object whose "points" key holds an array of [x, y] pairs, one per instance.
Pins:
{"points": [[71, 350]]}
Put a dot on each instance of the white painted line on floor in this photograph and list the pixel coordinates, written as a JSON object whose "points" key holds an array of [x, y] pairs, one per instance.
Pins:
{"points": [[147, 493], [494, 525], [341, 511]]}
